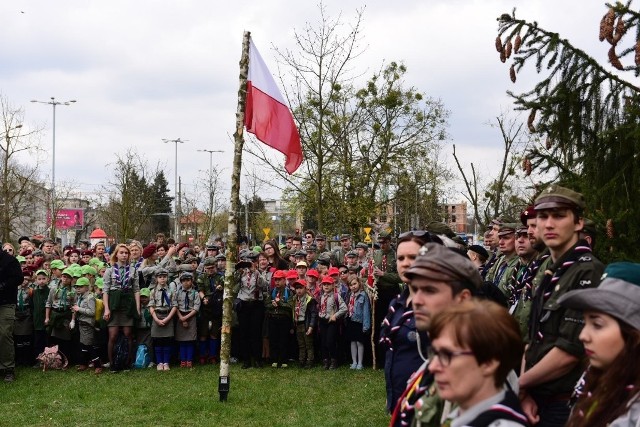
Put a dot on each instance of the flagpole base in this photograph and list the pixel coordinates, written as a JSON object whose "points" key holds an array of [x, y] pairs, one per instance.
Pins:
{"points": [[223, 387]]}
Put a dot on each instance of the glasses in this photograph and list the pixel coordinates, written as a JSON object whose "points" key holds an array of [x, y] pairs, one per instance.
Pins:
{"points": [[267, 248], [445, 356], [344, 272]]}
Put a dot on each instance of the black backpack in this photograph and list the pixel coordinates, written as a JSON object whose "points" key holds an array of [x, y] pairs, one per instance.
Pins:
{"points": [[121, 353]]}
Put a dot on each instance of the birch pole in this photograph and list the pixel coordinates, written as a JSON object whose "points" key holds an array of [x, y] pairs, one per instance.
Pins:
{"points": [[232, 230]]}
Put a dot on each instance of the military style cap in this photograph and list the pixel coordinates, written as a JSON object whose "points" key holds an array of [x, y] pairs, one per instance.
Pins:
{"points": [[162, 272], [302, 264], [252, 255], [301, 253], [362, 245], [345, 237], [438, 227], [95, 262], [38, 252], [20, 258], [321, 237], [209, 261], [56, 264], [148, 251], [556, 196], [212, 248], [279, 274], [67, 271], [618, 294], [83, 281], [333, 271], [438, 262], [220, 257], [523, 229], [312, 248], [352, 254], [354, 268], [527, 214], [145, 292], [384, 235], [185, 275], [589, 227], [508, 228], [480, 251]]}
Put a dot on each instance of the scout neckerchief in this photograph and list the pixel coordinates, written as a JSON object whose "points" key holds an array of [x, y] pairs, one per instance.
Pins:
{"points": [[186, 299], [323, 304], [62, 299], [301, 303], [352, 303], [212, 283], [384, 263], [276, 294], [137, 264], [531, 273], [122, 279], [489, 264], [165, 298], [80, 299], [405, 407], [551, 278], [20, 300]]}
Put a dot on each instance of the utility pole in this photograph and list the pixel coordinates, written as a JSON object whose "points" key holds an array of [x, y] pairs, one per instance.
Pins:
{"points": [[176, 231]]}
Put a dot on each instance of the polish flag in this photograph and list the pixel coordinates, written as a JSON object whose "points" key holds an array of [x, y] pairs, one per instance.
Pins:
{"points": [[267, 115]]}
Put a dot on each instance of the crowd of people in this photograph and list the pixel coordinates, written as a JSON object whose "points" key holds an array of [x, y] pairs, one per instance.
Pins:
{"points": [[522, 330]]}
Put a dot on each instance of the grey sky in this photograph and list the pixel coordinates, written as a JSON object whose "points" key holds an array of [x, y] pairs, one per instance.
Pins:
{"points": [[146, 70]]}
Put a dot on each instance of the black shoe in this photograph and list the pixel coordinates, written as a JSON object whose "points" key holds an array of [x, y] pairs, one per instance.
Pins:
{"points": [[334, 364], [325, 363], [9, 376], [259, 364], [246, 365]]}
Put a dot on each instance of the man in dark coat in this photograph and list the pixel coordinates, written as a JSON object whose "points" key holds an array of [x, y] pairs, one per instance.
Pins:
{"points": [[10, 279]]}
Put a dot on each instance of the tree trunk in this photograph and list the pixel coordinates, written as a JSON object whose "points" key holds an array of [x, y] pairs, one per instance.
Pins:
{"points": [[231, 252]]}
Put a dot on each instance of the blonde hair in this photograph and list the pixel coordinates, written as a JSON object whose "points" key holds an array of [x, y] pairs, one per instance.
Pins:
{"points": [[114, 255]]}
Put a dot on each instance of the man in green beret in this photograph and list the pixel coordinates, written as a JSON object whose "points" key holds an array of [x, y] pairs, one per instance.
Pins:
{"points": [[506, 264], [552, 358]]}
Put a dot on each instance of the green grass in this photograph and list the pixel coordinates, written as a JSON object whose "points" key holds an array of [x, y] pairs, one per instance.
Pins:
{"points": [[181, 397]]}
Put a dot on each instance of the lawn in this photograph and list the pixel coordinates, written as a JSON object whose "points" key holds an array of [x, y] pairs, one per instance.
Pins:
{"points": [[182, 397]]}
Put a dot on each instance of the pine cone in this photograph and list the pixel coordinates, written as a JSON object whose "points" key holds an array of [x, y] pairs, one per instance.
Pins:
{"points": [[532, 117], [613, 58], [503, 56], [638, 53], [609, 21], [498, 44], [507, 49], [548, 143], [512, 73], [610, 228], [621, 29], [603, 25], [517, 43]]}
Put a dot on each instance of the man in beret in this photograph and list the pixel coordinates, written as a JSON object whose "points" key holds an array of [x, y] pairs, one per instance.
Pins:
{"points": [[10, 279], [508, 260], [439, 278], [478, 255], [491, 242], [551, 365]]}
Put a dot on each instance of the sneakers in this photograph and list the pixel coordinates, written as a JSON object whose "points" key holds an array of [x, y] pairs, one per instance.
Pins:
{"points": [[213, 360], [166, 367], [353, 366], [183, 364], [203, 360], [334, 364], [81, 368], [274, 365], [359, 367], [9, 376], [160, 367], [284, 365], [325, 363], [189, 364], [97, 371]]}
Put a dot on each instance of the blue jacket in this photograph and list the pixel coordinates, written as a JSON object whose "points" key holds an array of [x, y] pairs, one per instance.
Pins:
{"points": [[361, 311]]}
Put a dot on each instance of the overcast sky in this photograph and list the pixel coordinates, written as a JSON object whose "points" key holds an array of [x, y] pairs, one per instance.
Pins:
{"points": [[146, 70]]}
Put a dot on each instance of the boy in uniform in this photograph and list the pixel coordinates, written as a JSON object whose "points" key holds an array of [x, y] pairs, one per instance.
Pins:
{"points": [[211, 290], [305, 319], [84, 313]]}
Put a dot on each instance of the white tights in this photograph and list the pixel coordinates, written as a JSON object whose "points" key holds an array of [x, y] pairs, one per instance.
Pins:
{"points": [[357, 352]]}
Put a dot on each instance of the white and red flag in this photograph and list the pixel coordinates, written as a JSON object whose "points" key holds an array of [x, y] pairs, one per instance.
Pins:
{"points": [[267, 115]]}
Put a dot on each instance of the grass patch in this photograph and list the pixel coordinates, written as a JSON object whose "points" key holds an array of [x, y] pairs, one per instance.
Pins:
{"points": [[258, 397]]}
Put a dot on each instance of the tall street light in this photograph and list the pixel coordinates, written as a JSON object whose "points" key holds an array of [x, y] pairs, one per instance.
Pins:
{"points": [[210, 181], [175, 184], [53, 103]]}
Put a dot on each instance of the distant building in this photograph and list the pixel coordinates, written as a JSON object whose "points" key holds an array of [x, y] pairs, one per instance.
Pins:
{"points": [[456, 217]]}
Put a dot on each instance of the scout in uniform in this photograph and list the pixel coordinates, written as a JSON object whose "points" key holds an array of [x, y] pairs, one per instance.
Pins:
{"points": [[278, 305], [552, 359], [58, 313], [211, 291], [339, 255], [40, 295], [506, 265], [305, 319], [23, 324], [186, 332], [56, 267], [143, 324], [84, 314], [332, 309], [163, 307]]}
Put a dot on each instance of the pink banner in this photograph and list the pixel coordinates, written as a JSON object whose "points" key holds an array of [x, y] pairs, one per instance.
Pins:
{"points": [[68, 219]]}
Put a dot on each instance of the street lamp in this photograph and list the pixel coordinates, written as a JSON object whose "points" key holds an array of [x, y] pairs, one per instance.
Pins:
{"points": [[210, 182], [53, 103], [175, 184]]}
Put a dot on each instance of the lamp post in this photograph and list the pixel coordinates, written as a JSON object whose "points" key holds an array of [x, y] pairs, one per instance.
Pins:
{"points": [[176, 231], [54, 103]]}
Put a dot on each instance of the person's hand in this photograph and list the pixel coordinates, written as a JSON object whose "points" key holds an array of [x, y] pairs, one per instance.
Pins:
{"points": [[46, 321], [72, 324], [332, 318], [107, 315], [185, 324], [273, 303], [309, 331], [172, 250], [205, 300], [530, 408], [377, 272], [75, 308]]}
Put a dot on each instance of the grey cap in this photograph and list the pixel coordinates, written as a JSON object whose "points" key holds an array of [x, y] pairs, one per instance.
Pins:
{"points": [[162, 272], [618, 294], [220, 257], [209, 261], [301, 253], [362, 245], [351, 254], [186, 275], [252, 255], [438, 262]]}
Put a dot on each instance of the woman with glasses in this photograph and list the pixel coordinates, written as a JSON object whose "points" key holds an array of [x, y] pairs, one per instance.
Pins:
{"points": [[474, 346], [8, 248], [399, 335], [272, 252]]}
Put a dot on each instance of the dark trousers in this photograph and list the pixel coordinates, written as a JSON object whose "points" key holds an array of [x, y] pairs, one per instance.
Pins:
{"points": [[250, 320], [279, 327], [87, 354], [328, 339], [305, 344], [23, 349], [552, 413], [39, 341]]}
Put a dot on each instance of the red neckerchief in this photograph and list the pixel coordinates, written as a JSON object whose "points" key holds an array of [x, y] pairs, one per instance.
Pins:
{"points": [[352, 304], [323, 304]]}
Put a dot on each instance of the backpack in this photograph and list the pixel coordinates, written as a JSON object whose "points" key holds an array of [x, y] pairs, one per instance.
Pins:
{"points": [[120, 353], [99, 309], [51, 358], [142, 357]]}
